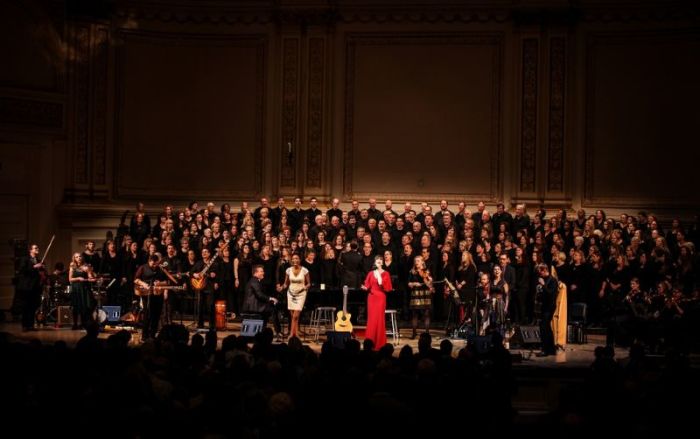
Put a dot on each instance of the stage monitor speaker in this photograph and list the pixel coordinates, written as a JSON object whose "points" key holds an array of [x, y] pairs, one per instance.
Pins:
{"points": [[526, 335], [114, 313], [338, 339], [250, 327], [65, 316]]}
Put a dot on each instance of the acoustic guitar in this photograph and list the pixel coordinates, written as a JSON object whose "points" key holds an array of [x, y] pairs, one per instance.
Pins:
{"points": [[342, 321]]}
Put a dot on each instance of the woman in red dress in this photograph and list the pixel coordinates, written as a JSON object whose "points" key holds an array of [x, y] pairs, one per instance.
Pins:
{"points": [[378, 283]]}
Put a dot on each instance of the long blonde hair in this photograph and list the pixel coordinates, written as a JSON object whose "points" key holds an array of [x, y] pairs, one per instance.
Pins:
{"points": [[467, 260]]}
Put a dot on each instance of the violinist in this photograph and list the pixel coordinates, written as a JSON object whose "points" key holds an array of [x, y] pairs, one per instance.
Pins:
{"points": [[80, 275], [637, 299], [29, 284], [421, 285]]}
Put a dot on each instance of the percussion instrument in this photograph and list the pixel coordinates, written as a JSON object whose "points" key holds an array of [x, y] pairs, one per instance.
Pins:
{"points": [[99, 315], [220, 312]]}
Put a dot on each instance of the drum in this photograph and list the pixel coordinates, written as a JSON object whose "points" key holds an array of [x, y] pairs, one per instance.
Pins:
{"points": [[99, 315], [59, 294], [220, 311]]}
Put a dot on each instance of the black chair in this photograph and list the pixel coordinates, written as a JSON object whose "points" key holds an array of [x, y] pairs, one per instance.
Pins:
{"points": [[577, 323]]}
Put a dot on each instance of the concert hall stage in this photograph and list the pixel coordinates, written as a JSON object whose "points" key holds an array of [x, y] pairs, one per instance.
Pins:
{"points": [[574, 356]]}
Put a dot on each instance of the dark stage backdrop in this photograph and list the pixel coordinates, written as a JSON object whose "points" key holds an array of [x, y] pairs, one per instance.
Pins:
{"points": [[104, 103]]}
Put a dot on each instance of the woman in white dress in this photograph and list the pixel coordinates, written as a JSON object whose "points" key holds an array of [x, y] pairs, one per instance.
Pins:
{"points": [[297, 283]]}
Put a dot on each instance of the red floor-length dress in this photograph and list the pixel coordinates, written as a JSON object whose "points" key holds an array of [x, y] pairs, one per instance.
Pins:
{"points": [[376, 307]]}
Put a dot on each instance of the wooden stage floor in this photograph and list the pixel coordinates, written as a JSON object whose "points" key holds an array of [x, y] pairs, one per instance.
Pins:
{"points": [[574, 355]]}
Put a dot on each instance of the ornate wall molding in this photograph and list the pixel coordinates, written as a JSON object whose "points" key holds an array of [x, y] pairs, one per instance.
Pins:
{"points": [[314, 137], [528, 119], [290, 111], [557, 86], [81, 98], [488, 39], [30, 113], [99, 122], [671, 11], [422, 14]]}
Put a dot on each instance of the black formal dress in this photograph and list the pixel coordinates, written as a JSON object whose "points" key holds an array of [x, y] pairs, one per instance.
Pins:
{"points": [[28, 289]]}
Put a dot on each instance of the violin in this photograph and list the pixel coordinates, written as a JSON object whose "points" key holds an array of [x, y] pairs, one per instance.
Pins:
{"points": [[426, 278]]}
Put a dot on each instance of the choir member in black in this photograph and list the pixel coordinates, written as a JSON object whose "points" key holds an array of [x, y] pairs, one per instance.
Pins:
{"points": [[547, 290], [91, 257], [174, 300], [284, 261], [502, 217], [482, 259], [451, 304], [354, 210], [269, 264], [616, 288], [242, 271], [405, 266], [329, 267], [30, 272], [351, 267], [227, 289], [598, 274], [335, 209], [313, 211], [521, 220], [646, 272], [205, 297], [264, 204], [478, 215], [465, 282], [149, 275], [296, 215], [385, 244], [133, 260], [507, 269], [80, 276], [314, 267], [277, 212], [367, 258], [256, 301], [372, 211], [392, 268], [111, 266], [420, 283], [139, 230], [500, 298], [579, 279]]}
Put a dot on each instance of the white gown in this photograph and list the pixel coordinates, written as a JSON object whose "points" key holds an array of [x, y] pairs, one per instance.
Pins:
{"points": [[296, 294]]}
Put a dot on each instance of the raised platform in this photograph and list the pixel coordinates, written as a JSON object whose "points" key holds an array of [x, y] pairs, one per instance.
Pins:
{"points": [[574, 355]]}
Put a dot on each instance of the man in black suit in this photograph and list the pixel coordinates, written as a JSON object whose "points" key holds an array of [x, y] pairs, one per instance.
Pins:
{"points": [[334, 210], [547, 289], [277, 212], [29, 286], [351, 263], [255, 301], [501, 216], [478, 215], [296, 215], [313, 211]]}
